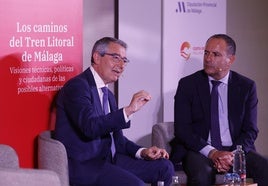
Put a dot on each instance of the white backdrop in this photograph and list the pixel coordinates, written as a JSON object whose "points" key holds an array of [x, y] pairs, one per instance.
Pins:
{"points": [[141, 29], [186, 27]]}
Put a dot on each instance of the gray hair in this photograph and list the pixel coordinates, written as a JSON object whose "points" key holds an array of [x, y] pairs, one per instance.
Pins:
{"points": [[101, 45]]}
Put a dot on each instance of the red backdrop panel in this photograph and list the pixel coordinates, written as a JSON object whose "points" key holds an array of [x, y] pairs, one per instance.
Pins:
{"points": [[40, 49]]}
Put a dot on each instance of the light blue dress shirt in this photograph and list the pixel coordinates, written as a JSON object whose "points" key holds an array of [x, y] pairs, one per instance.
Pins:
{"points": [[223, 116]]}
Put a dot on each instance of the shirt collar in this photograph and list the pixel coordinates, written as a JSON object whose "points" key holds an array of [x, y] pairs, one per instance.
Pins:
{"points": [[223, 80], [99, 82]]}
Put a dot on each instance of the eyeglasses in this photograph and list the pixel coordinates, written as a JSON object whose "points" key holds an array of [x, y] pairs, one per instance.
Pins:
{"points": [[116, 57]]}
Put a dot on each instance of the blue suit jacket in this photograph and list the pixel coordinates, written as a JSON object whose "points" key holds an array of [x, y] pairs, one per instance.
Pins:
{"points": [[192, 113], [82, 126]]}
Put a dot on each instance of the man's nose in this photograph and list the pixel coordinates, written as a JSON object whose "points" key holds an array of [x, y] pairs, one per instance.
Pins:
{"points": [[122, 63], [209, 57]]}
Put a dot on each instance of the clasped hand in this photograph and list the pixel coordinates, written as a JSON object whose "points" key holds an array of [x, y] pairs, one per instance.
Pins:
{"points": [[138, 100], [223, 160], [154, 153]]}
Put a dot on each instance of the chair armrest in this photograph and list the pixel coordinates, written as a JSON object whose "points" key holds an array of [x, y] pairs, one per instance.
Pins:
{"points": [[8, 157], [162, 134], [52, 156]]}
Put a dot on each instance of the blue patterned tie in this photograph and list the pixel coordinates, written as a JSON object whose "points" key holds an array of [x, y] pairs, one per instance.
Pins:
{"points": [[105, 104], [215, 125]]}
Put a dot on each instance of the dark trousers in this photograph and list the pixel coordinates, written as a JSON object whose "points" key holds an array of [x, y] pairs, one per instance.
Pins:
{"points": [[124, 170], [200, 171]]}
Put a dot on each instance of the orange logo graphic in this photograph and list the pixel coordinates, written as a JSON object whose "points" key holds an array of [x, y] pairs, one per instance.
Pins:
{"points": [[185, 50]]}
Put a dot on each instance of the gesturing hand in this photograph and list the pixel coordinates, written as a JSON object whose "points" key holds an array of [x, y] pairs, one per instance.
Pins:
{"points": [[138, 100], [154, 153]]}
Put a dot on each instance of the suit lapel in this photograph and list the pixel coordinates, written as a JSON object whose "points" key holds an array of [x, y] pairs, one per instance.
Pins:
{"points": [[96, 97], [94, 92], [233, 101], [204, 93]]}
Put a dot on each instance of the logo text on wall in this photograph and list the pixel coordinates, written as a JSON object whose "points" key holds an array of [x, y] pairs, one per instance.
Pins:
{"points": [[194, 7], [186, 50]]}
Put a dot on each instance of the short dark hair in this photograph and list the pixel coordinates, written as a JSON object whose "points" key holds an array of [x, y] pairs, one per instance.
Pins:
{"points": [[231, 46], [101, 45]]}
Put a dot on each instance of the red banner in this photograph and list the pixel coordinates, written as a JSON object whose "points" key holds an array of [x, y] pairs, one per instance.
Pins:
{"points": [[40, 49]]}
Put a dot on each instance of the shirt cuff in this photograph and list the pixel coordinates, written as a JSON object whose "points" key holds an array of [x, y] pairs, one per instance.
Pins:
{"points": [[125, 116], [205, 151], [138, 153]]}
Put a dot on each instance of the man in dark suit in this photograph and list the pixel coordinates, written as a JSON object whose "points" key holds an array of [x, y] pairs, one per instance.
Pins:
{"points": [[98, 152], [237, 118]]}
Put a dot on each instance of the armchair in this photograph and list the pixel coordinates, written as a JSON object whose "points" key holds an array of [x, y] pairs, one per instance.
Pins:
{"points": [[52, 156], [12, 175], [28, 177], [162, 133]]}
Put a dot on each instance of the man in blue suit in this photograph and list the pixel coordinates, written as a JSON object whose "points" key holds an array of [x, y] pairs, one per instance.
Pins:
{"points": [[98, 152], [237, 116]]}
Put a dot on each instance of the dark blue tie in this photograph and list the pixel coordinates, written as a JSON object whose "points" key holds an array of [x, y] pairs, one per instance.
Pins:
{"points": [[105, 104], [215, 124]]}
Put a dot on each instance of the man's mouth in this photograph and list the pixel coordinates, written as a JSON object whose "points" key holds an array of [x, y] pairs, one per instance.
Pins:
{"points": [[117, 71], [209, 66]]}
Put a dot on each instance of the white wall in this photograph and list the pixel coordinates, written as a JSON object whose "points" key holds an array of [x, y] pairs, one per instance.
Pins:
{"points": [[98, 22], [140, 27]]}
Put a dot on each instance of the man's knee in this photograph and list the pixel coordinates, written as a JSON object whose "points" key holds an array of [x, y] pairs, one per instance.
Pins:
{"points": [[166, 171], [167, 166]]}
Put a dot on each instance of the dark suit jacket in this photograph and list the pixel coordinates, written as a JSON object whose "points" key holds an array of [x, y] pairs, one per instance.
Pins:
{"points": [[82, 126], [192, 113]]}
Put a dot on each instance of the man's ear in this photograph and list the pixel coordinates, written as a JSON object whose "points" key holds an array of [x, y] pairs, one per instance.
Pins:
{"points": [[230, 59], [96, 57]]}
